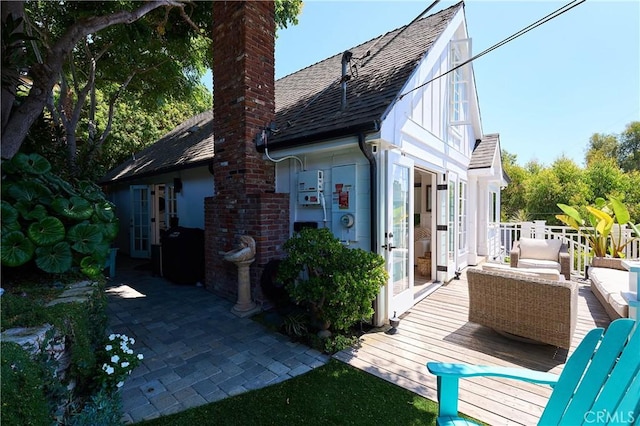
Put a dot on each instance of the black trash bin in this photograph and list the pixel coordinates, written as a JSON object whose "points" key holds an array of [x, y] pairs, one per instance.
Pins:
{"points": [[183, 255]]}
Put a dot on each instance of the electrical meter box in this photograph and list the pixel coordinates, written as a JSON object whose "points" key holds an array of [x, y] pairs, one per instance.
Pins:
{"points": [[310, 187]]}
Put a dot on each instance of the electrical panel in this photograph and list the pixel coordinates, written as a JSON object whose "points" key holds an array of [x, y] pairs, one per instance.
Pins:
{"points": [[343, 205], [310, 187]]}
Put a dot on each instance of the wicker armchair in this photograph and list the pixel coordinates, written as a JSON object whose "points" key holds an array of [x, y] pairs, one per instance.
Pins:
{"points": [[538, 253], [529, 307]]}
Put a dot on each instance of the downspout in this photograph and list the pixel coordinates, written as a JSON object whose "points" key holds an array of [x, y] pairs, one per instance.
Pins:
{"points": [[373, 191], [378, 318]]}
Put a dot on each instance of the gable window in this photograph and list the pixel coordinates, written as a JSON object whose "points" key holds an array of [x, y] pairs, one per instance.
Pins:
{"points": [[460, 51]]}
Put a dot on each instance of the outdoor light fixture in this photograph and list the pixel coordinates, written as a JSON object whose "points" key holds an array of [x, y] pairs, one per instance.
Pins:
{"points": [[395, 322]]}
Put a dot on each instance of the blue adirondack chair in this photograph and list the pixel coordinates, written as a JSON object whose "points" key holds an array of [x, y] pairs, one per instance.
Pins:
{"points": [[599, 384]]}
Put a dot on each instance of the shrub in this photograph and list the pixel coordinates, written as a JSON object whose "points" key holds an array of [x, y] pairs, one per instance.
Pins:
{"points": [[23, 397], [336, 284], [50, 223]]}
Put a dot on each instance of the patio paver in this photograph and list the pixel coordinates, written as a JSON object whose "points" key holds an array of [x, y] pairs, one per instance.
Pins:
{"points": [[195, 350]]}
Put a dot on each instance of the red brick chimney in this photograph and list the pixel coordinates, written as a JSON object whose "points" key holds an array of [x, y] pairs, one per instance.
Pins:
{"points": [[245, 202]]}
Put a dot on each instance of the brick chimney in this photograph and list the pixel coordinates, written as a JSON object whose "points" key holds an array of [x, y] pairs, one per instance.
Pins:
{"points": [[245, 202]]}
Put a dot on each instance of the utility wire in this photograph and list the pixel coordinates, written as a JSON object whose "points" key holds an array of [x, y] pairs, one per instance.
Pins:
{"points": [[567, 7], [368, 53]]}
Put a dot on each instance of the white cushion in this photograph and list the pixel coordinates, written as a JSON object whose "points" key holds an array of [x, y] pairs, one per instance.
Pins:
{"points": [[534, 248], [611, 283], [538, 263], [547, 274]]}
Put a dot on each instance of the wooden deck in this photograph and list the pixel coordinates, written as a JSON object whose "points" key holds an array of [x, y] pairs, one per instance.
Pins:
{"points": [[436, 329]]}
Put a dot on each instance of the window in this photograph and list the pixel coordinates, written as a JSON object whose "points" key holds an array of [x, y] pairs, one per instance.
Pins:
{"points": [[494, 213], [460, 51], [462, 216], [451, 222], [171, 204]]}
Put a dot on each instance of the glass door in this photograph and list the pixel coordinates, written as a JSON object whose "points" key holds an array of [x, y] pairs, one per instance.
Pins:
{"points": [[398, 232], [140, 222]]}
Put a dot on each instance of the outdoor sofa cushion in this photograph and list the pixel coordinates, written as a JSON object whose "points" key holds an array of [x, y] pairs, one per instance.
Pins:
{"points": [[538, 249], [545, 273], [608, 284]]}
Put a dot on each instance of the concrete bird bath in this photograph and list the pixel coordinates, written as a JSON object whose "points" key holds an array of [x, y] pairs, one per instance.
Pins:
{"points": [[243, 256]]}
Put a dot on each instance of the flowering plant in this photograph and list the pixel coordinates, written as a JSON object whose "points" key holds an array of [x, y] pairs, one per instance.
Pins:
{"points": [[120, 360]]}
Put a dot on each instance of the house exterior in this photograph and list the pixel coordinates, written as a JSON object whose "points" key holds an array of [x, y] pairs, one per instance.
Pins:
{"points": [[167, 180], [382, 144]]}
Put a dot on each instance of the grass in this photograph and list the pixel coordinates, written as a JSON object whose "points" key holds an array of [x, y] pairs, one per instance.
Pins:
{"points": [[334, 394]]}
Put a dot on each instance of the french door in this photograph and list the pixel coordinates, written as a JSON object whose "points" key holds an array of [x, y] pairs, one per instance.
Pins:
{"points": [[140, 222], [398, 232]]}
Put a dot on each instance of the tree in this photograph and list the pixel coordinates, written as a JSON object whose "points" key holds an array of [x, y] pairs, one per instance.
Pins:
{"points": [[513, 197], [601, 146], [166, 37], [629, 149]]}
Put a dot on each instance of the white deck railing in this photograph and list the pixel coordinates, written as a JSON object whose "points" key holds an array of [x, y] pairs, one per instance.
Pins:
{"points": [[575, 240]]}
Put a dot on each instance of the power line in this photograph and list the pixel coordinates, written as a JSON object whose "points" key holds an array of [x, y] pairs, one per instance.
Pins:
{"points": [[512, 37]]}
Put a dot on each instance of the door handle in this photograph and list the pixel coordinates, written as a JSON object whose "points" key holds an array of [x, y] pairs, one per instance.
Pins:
{"points": [[388, 247]]}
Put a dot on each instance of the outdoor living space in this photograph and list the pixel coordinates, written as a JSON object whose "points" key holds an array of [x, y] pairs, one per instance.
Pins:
{"points": [[437, 329]]}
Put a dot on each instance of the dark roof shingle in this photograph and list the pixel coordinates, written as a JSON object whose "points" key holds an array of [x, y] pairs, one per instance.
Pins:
{"points": [[484, 152], [308, 102], [188, 145]]}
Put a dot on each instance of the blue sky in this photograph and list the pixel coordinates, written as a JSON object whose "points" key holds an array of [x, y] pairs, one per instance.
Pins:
{"points": [[546, 92]]}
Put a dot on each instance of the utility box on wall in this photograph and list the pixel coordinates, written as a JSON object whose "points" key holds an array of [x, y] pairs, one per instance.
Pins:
{"points": [[343, 204], [310, 187]]}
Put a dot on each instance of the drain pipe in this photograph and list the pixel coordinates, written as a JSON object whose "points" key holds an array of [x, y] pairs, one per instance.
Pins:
{"points": [[373, 191]]}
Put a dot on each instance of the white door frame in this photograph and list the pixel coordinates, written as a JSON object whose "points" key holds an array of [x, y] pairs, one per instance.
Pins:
{"points": [[397, 236]]}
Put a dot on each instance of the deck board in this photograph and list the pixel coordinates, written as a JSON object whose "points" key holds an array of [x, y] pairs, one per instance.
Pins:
{"points": [[436, 329]]}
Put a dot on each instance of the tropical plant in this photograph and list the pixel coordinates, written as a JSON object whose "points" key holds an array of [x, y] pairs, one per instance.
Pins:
{"points": [[335, 283], [47, 220], [601, 218]]}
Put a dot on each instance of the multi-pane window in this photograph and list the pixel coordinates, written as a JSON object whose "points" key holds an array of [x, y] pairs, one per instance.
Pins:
{"points": [[451, 222], [171, 203], [460, 51], [462, 216]]}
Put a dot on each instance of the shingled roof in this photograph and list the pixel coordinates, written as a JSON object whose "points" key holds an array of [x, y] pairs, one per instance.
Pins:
{"points": [[484, 152], [188, 145], [308, 102]]}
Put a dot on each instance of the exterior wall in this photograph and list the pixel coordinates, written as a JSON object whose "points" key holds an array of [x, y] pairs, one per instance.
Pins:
{"points": [[196, 185], [419, 124], [327, 158]]}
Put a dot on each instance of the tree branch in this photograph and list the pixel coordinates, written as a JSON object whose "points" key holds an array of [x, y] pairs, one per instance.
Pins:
{"points": [[45, 75]]}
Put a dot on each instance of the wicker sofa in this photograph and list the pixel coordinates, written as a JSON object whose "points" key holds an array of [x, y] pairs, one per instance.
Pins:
{"points": [[541, 253], [525, 306]]}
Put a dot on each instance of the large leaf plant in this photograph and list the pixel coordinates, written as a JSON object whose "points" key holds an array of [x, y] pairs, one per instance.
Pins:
{"points": [[56, 225], [604, 239]]}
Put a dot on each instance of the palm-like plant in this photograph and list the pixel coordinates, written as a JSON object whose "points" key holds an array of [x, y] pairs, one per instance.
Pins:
{"points": [[599, 226]]}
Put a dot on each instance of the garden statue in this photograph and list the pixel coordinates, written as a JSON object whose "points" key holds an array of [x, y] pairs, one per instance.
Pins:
{"points": [[243, 256]]}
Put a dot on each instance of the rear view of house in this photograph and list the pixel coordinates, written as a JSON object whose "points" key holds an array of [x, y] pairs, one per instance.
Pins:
{"points": [[383, 144]]}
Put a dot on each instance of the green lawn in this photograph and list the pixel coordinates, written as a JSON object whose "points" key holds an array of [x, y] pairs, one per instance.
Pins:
{"points": [[335, 394]]}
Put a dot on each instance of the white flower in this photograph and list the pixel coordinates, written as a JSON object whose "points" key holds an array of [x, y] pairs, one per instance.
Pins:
{"points": [[130, 352], [108, 347], [109, 369], [105, 366], [112, 337], [120, 384], [140, 356], [125, 364], [132, 340], [115, 359]]}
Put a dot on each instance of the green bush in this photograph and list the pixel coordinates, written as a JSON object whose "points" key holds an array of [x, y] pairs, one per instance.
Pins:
{"points": [[23, 397], [336, 284], [48, 222], [82, 328]]}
